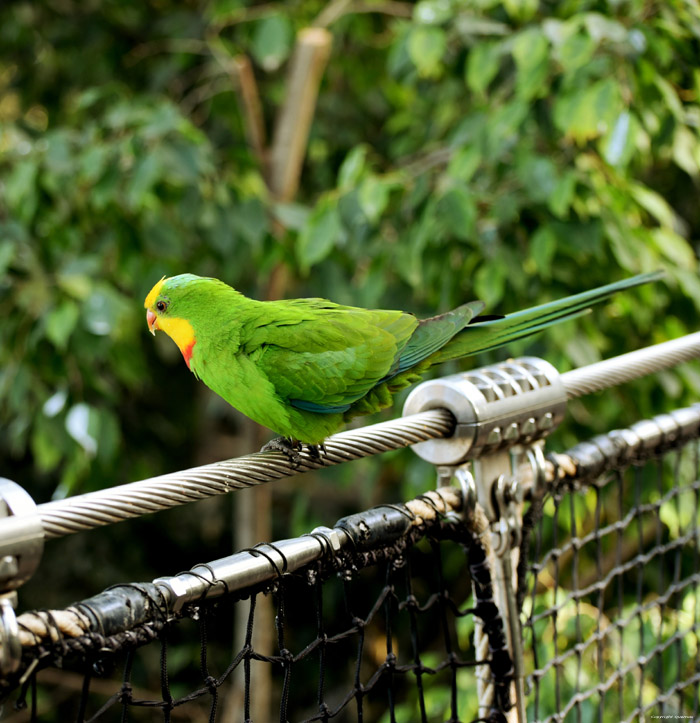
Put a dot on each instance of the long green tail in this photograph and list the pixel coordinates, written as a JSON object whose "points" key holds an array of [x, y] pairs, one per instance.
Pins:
{"points": [[484, 336]]}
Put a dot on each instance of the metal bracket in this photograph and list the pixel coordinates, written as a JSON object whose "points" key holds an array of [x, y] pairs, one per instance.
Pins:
{"points": [[21, 536], [467, 486], [498, 488], [21, 546], [491, 481], [496, 407]]}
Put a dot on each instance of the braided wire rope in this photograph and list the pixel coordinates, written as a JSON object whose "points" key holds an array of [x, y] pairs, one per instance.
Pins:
{"points": [[108, 506], [115, 504], [626, 367]]}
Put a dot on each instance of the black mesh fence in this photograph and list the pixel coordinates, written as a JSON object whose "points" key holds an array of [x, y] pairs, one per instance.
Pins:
{"points": [[400, 625], [379, 635], [613, 605]]}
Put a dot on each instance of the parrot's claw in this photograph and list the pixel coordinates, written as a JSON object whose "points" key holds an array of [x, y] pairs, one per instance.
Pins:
{"points": [[288, 446], [316, 450]]}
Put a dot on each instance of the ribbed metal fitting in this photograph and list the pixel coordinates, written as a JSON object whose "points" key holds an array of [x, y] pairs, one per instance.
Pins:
{"points": [[21, 536], [21, 546], [495, 407]]}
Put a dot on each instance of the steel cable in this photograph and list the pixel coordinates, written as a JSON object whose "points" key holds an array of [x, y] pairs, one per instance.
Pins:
{"points": [[103, 507], [626, 367]]}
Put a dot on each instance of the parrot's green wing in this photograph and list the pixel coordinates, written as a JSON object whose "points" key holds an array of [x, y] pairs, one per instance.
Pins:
{"points": [[322, 362], [322, 358], [433, 333]]}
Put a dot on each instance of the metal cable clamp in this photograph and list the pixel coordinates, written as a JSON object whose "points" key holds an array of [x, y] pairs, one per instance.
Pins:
{"points": [[501, 412], [496, 407]]}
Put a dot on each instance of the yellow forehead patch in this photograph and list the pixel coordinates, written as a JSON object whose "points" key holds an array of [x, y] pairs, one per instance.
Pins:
{"points": [[153, 294]]}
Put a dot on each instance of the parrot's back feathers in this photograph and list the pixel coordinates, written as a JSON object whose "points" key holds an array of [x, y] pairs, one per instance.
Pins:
{"points": [[304, 367], [433, 333]]}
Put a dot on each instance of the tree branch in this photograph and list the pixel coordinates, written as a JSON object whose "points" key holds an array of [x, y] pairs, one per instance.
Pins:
{"points": [[294, 121]]}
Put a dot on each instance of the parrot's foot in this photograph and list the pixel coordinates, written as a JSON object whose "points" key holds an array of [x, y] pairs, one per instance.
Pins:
{"points": [[288, 446], [316, 450]]}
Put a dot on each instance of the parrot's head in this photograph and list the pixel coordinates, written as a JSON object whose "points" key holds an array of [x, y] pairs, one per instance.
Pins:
{"points": [[174, 304]]}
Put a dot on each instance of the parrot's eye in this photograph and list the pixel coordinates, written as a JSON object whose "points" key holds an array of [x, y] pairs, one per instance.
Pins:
{"points": [[161, 306]]}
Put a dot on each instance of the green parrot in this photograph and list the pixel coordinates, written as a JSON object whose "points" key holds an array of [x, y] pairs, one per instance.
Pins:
{"points": [[304, 367]]}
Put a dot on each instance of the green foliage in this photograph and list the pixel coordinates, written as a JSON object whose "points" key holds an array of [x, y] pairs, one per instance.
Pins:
{"points": [[94, 213], [513, 151]]}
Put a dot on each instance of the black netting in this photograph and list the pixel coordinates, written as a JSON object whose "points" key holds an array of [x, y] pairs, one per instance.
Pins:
{"points": [[382, 635], [613, 600], [389, 630]]}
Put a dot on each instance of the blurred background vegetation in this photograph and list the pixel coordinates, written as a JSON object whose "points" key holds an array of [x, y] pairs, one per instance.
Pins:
{"points": [[510, 151]]}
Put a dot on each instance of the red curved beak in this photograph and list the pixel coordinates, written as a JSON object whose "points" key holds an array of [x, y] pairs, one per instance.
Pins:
{"points": [[152, 321]]}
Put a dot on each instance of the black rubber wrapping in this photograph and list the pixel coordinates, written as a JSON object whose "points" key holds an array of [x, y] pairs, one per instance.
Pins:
{"points": [[123, 607], [376, 527]]}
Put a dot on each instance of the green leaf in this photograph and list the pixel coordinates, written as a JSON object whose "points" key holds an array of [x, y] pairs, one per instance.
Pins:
{"points": [[291, 215], [586, 114], [352, 168], [457, 210], [8, 249], [59, 155], [483, 64], [48, 443], [320, 234], [489, 283], [463, 163], [82, 425], [673, 247], [272, 41], [538, 176], [105, 311], [432, 12], [563, 194], [408, 258], [374, 197], [521, 10], [575, 52], [686, 150], [75, 284], [107, 433], [618, 145], [504, 128], [20, 192], [93, 162], [601, 28], [250, 220], [145, 174], [653, 203], [531, 55], [161, 120], [543, 246], [630, 246], [60, 323], [426, 46]]}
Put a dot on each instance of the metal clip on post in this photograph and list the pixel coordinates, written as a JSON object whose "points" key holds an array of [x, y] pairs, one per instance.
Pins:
{"points": [[502, 413], [21, 545]]}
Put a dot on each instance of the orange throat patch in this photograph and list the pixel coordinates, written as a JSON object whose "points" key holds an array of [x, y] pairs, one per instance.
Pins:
{"points": [[187, 352]]}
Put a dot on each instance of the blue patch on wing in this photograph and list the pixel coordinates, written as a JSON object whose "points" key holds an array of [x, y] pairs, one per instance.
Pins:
{"points": [[319, 408]]}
